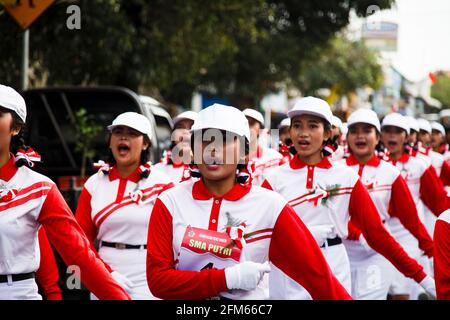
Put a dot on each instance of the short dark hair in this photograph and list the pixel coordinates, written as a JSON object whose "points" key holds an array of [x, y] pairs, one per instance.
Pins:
{"points": [[17, 141]]}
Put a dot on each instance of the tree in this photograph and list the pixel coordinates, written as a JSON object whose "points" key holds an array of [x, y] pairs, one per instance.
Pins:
{"points": [[86, 131], [440, 90], [292, 34], [343, 66], [241, 49]]}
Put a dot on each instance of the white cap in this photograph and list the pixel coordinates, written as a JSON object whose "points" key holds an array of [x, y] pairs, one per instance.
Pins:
{"points": [[222, 117], [364, 116], [286, 122], [396, 120], [344, 128], [252, 113], [336, 122], [424, 125], [133, 120], [313, 106], [413, 124], [187, 115], [439, 127], [10, 99], [444, 113]]}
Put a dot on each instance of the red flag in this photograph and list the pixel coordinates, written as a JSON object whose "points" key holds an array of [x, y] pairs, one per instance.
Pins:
{"points": [[432, 77]]}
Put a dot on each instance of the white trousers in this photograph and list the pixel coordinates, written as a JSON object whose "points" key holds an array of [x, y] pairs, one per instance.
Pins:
{"points": [[402, 285], [20, 290], [132, 264], [288, 289], [372, 274]]}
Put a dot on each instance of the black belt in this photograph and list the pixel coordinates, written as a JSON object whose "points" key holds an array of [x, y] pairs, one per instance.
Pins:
{"points": [[17, 277], [122, 245], [332, 242]]}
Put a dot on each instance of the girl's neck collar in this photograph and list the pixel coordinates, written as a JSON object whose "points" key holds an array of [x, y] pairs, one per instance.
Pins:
{"points": [[312, 160], [221, 187]]}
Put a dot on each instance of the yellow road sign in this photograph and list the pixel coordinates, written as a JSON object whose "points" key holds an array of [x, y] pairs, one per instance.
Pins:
{"points": [[25, 12]]}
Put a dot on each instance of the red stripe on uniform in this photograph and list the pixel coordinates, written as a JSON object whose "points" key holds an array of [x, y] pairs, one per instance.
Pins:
{"points": [[100, 221], [121, 190], [214, 216], [121, 205], [23, 200], [294, 204], [33, 187], [260, 231], [98, 214], [296, 199], [259, 238]]}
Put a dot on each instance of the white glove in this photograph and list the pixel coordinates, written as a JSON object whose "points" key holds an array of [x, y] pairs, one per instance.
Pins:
{"points": [[322, 232], [123, 281], [245, 275], [429, 285]]}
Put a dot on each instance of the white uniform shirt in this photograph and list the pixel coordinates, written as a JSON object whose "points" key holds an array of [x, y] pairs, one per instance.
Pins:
{"points": [[177, 173], [305, 188], [265, 160], [329, 193], [391, 196], [107, 211], [273, 233], [19, 247], [30, 200]]}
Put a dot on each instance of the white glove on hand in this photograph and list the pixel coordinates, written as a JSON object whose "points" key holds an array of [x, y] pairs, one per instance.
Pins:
{"points": [[322, 232], [123, 281], [245, 275], [429, 285]]}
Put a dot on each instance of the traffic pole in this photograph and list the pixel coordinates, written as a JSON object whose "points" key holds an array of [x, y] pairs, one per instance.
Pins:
{"points": [[25, 58]]}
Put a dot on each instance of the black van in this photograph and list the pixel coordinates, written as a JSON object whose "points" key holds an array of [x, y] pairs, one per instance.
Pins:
{"points": [[50, 128]]}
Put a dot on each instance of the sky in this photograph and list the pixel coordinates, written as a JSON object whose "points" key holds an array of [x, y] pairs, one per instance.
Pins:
{"points": [[423, 35]]}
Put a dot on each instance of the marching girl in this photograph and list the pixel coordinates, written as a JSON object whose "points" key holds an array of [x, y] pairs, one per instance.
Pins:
{"points": [[176, 160], [327, 195], [430, 136], [33, 201], [413, 145], [115, 203], [371, 272], [424, 185], [438, 140], [215, 236], [442, 256], [262, 159], [337, 129], [437, 159], [420, 176], [285, 141]]}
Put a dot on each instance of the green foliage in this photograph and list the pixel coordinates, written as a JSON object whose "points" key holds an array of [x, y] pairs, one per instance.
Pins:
{"points": [[342, 66], [86, 131], [240, 49], [441, 89]]}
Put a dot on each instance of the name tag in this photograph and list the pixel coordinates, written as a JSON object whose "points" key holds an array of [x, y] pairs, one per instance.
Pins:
{"points": [[206, 249]]}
